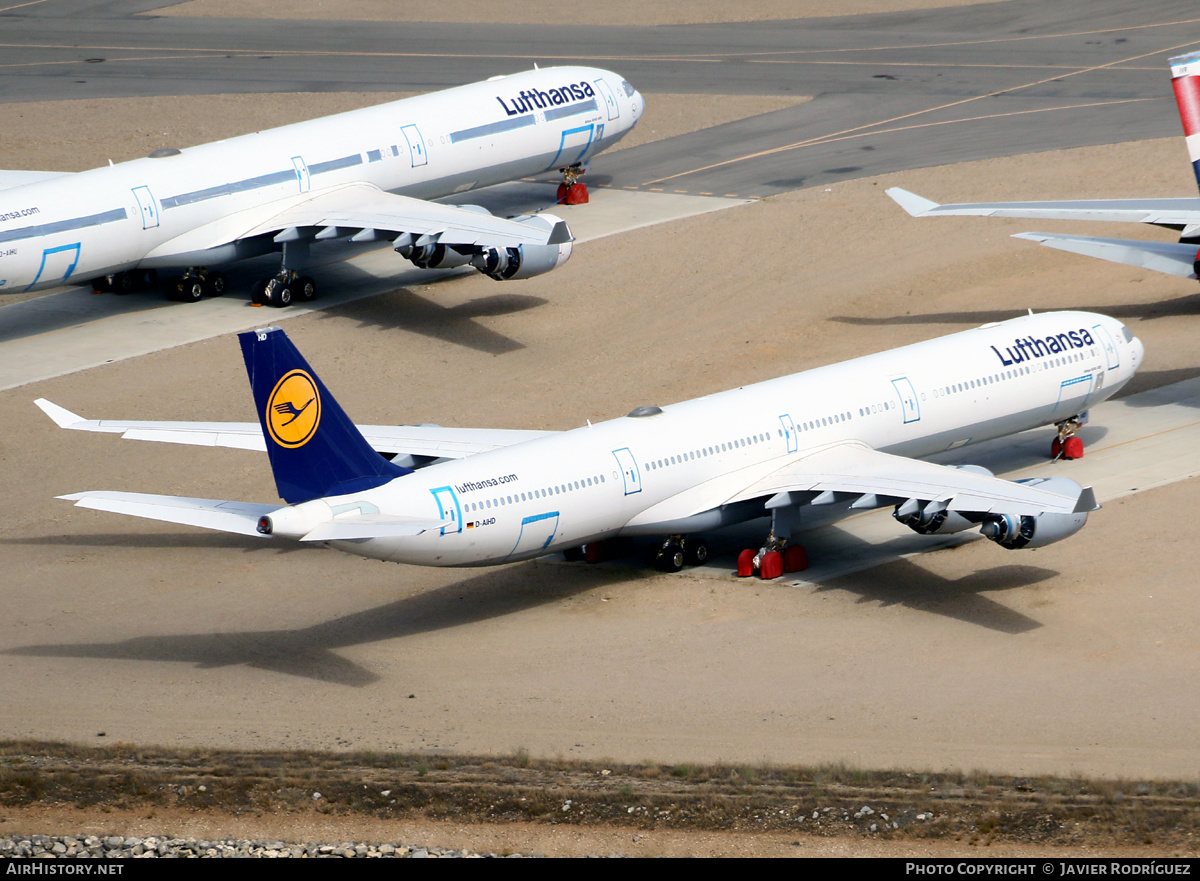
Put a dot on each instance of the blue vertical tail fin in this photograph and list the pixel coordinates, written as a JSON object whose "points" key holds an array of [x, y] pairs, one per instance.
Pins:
{"points": [[315, 449]]}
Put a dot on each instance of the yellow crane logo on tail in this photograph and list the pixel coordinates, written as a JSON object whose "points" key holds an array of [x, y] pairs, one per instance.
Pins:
{"points": [[293, 410]]}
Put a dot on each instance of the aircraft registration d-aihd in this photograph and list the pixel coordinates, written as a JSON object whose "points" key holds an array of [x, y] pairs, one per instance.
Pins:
{"points": [[365, 175], [849, 434], [1180, 258]]}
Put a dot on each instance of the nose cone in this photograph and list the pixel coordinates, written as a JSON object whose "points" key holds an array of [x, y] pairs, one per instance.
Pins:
{"points": [[1137, 353]]}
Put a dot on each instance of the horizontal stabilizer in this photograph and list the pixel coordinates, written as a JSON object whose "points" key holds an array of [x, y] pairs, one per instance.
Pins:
{"points": [[372, 526], [237, 517], [1173, 258]]}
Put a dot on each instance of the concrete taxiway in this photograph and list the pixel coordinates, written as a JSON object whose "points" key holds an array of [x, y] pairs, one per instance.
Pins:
{"points": [[72, 329]]}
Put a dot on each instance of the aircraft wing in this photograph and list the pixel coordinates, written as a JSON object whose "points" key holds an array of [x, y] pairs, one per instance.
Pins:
{"points": [[364, 208], [869, 479], [10, 179], [1161, 212], [1173, 258], [427, 441]]}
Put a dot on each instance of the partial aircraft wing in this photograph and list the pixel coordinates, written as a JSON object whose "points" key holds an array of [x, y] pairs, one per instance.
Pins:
{"points": [[364, 209], [1173, 258], [871, 479], [1173, 213], [10, 179], [423, 441]]}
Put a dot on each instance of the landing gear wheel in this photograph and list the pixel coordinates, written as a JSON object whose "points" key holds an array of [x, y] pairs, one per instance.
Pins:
{"points": [[745, 566], [305, 289], [573, 555], [188, 290], [669, 558], [214, 285], [795, 558], [696, 553], [258, 295], [770, 566], [282, 295], [122, 283]]}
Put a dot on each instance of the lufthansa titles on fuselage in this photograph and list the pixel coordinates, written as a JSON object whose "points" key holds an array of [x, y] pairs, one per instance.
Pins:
{"points": [[486, 483], [1028, 348], [528, 100]]}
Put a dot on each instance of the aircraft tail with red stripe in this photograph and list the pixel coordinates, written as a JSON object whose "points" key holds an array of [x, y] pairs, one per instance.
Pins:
{"points": [[1185, 79]]}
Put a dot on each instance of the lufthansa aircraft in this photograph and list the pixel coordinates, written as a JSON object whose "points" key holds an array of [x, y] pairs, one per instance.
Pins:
{"points": [[364, 176], [849, 435], [1175, 258]]}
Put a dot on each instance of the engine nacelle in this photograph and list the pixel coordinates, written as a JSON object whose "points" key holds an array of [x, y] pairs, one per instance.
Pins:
{"points": [[944, 522], [1015, 532], [525, 261], [939, 523], [434, 256]]}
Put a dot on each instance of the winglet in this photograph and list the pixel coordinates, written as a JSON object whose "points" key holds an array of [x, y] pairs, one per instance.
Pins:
{"points": [[62, 417], [1086, 501], [916, 206], [560, 234]]}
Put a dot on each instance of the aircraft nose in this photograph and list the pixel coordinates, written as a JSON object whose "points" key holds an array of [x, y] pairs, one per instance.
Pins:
{"points": [[1138, 351]]}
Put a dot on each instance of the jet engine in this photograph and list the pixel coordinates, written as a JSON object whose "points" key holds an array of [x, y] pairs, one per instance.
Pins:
{"points": [[434, 256], [1014, 532], [931, 523], [525, 261], [929, 520]]}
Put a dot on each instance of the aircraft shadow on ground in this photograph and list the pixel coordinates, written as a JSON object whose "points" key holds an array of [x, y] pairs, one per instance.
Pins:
{"points": [[346, 291], [403, 309], [158, 540], [905, 583], [310, 652], [1183, 305]]}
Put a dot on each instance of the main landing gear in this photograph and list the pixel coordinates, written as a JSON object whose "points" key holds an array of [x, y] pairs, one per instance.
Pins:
{"points": [[672, 555], [1068, 444], [773, 559], [195, 284], [571, 191], [125, 282], [284, 288], [679, 551]]}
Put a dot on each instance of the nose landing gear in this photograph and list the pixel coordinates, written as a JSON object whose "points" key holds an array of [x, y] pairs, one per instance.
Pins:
{"points": [[1068, 445], [571, 191]]}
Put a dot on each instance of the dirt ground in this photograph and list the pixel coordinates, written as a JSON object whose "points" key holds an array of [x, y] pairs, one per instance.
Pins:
{"points": [[157, 634]]}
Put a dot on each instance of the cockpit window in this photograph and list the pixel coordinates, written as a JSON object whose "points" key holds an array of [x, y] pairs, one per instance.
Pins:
{"points": [[628, 87], [1126, 333]]}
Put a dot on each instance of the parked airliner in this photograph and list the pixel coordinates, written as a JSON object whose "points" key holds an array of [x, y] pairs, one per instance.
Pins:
{"points": [[1183, 215], [362, 176], [849, 434]]}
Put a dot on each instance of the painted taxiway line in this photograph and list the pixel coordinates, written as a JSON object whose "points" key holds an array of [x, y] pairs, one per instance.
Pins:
{"points": [[71, 330]]}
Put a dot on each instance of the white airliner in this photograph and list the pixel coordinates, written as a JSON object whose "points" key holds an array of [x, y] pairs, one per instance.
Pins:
{"points": [[1174, 258], [849, 434], [365, 176]]}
